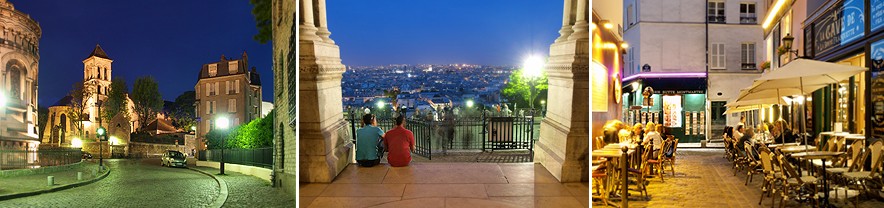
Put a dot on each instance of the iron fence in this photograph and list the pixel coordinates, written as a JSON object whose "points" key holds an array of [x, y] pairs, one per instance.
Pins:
{"points": [[23, 159], [259, 157]]}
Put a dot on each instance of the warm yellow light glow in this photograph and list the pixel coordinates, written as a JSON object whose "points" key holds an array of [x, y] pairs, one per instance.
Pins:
{"points": [[114, 140], [624, 45], [634, 86], [608, 25], [610, 46], [592, 26], [770, 114], [533, 66], [773, 12], [77, 143]]}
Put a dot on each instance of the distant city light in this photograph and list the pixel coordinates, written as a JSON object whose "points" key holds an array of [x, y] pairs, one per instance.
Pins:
{"points": [[533, 66]]}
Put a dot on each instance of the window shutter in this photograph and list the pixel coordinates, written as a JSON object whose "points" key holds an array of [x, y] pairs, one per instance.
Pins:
{"points": [[237, 86], [216, 87], [208, 107], [207, 89], [227, 86]]}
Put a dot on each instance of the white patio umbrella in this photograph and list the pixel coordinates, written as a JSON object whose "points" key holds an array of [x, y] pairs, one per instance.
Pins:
{"points": [[803, 75]]}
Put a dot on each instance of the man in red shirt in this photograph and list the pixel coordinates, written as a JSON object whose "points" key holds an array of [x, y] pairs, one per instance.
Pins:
{"points": [[400, 144]]}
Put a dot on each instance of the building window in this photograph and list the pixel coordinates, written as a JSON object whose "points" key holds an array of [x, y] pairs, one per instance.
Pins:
{"points": [[213, 70], [232, 67], [747, 51], [631, 57], [237, 86], [217, 85], [747, 13], [231, 105], [630, 19], [227, 86], [717, 57], [715, 14]]}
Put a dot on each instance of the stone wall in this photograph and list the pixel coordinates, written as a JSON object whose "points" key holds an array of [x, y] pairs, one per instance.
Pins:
{"points": [[285, 162], [148, 150]]}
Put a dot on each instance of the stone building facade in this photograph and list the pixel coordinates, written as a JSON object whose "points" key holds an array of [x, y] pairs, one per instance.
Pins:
{"points": [[19, 54], [61, 129], [284, 83], [227, 89]]}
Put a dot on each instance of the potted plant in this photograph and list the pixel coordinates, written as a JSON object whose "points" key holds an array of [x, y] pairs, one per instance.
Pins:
{"points": [[765, 65], [782, 51]]}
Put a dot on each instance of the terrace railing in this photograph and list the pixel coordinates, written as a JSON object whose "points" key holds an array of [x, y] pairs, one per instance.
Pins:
{"points": [[23, 159], [258, 157]]}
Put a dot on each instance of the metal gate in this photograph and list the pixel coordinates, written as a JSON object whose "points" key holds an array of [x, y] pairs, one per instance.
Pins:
{"points": [[509, 133]]}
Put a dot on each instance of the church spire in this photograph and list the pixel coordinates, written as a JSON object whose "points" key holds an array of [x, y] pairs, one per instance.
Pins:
{"points": [[98, 52]]}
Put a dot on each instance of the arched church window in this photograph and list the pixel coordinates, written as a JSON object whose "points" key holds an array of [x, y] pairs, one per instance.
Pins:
{"points": [[14, 79]]}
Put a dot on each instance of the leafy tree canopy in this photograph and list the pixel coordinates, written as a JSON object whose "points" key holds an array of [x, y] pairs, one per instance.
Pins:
{"points": [[518, 89], [147, 99]]}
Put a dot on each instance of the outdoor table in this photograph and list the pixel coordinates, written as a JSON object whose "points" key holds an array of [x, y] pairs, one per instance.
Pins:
{"points": [[797, 148], [782, 145], [855, 137], [611, 154], [822, 155]]}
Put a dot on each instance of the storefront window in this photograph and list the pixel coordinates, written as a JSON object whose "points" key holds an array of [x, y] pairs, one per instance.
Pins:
{"points": [[672, 111]]}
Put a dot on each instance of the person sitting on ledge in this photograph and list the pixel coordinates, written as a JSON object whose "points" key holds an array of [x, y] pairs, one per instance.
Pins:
{"points": [[367, 139], [400, 144]]}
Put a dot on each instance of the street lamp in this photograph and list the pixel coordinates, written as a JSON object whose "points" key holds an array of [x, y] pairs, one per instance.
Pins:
{"points": [[101, 132], [533, 68], [469, 103], [787, 44], [222, 123], [380, 104]]}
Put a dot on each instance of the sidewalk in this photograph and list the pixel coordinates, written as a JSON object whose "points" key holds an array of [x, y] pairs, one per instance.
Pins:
{"points": [[428, 185], [38, 182], [250, 191]]}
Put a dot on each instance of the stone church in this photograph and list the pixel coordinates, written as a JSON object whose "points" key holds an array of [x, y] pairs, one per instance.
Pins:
{"points": [[62, 130], [19, 46]]}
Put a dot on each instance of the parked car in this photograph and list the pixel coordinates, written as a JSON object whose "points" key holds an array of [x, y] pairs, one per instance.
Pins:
{"points": [[174, 158], [86, 155]]}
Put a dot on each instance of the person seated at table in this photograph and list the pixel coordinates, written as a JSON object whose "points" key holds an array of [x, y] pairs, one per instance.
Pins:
{"points": [[746, 137], [637, 133], [649, 127], [612, 131], [654, 137], [738, 132], [728, 133], [625, 135]]}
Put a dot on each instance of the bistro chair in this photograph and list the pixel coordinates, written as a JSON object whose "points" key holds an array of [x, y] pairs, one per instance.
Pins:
{"points": [[770, 175], [754, 163], [657, 161], [794, 186], [669, 157], [599, 182], [639, 174], [853, 163], [861, 179]]}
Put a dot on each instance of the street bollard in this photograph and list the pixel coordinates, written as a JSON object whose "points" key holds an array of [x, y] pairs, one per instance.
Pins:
{"points": [[50, 180], [624, 194], [79, 176]]}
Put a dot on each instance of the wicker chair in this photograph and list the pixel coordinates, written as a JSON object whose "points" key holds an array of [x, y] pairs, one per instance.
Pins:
{"points": [[794, 186], [862, 179]]}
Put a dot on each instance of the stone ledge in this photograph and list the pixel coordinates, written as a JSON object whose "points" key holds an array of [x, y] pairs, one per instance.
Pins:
{"points": [[262, 173], [54, 189], [222, 191], [41, 170]]}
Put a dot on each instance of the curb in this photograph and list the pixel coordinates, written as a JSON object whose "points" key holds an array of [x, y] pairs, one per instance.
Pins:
{"points": [[222, 194], [54, 189]]}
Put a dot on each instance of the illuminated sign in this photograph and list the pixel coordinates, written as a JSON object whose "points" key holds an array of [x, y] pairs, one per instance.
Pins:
{"points": [[599, 77]]}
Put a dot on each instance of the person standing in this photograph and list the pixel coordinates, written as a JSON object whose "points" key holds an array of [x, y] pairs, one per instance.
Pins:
{"points": [[400, 143], [367, 139]]}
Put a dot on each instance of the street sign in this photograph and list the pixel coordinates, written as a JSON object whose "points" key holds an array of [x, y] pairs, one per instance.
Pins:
{"points": [[646, 68]]}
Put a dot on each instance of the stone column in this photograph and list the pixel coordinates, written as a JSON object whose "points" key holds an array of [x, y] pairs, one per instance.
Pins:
{"points": [[567, 21], [306, 26], [581, 25], [322, 22], [563, 147], [325, 146]]}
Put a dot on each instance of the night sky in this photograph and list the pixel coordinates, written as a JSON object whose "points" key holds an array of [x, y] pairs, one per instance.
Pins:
{"points": [[491, 32], [169, 40]]}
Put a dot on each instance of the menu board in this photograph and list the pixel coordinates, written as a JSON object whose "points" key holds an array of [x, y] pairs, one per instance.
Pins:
{"points": [[656, 117], [877, 56], [672, 111], [703, 120], [696, 122], [687, 123]]}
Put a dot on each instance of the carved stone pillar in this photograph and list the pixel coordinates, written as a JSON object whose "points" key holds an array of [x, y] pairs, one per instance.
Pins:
{"points": [[563, 147], [567, 21], [307, 28], [324, 136], [581, 25], [322, 22]]}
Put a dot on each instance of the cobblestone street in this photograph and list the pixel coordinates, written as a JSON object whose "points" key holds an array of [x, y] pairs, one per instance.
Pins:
{"points": [[132, 183], [250, 191], [704, 178]]}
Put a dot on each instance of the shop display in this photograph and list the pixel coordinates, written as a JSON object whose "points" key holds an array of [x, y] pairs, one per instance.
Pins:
{"points": [[703, 120], [672, 111]]}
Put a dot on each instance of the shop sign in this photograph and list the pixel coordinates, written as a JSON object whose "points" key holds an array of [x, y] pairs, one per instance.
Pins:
{"points": [[670, 92], [839, 26], [877, 58], [646, 68], [877, 9]]}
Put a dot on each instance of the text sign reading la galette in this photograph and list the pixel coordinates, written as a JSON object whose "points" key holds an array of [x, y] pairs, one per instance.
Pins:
{"points": [[877, 14]]}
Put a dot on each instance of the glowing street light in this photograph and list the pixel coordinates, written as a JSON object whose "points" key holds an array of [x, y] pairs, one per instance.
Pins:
{"points": [[222, 123], [77, 143], [469, 103], [533, 67], [380, 104]]}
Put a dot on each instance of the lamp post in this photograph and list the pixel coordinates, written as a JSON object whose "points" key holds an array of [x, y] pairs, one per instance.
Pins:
{"points": [[533, 69], [101, 133], [222, 124]]}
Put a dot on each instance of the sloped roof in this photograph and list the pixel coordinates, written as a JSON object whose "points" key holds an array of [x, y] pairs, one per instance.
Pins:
{"points": [[160, 125], [98, 52], [65, 101]]}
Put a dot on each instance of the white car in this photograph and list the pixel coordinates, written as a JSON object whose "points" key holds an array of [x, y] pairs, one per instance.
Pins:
{"points": [[174, 158]]}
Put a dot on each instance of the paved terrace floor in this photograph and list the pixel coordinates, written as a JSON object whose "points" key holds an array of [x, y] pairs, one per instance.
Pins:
{"points": [[704, 178], [428, 185]]}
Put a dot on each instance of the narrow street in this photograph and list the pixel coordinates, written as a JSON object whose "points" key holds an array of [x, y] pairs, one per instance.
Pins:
{"points": [[132, 183]]}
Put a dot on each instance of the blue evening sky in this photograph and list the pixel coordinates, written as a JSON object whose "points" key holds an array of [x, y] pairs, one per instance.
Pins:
{"points": [[490, 32], [166, 39]]}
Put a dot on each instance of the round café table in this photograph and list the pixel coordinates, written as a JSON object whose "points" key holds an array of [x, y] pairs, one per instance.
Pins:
{"points": [[782, 145], [611, 154], [822, 155]]}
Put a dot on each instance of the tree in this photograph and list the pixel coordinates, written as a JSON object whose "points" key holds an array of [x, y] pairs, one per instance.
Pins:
{"points": [[147, 99], [116, 102], [518, 89], [263, 20], [76, 111], [183, 112], [257, 133], [42, 118]]}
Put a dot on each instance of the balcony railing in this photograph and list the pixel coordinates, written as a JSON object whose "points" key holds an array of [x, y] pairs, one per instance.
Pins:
{"points": [[711, 18], [748, 66], [748, 19]]}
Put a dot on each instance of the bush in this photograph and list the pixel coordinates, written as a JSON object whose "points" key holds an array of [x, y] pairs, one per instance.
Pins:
{"points": [[256, 134]]}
